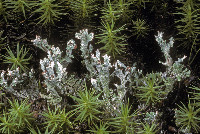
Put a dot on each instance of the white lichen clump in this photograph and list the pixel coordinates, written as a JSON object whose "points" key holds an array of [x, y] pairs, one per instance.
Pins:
{"points": [[100, 72]]}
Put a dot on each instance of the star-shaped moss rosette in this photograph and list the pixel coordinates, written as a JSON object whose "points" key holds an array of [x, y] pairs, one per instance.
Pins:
{"points": [[19, 60]]}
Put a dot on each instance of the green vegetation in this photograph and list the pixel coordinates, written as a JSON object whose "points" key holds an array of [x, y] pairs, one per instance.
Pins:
{"points": [[123, 9], [87, 107], [110, 13], [187, 118], [151, 90], [49, 11], [140, 28], [21, 112], [123, 122], [114, 44], [57, 120], [139, 3], [148, 129], [33, 131], [7, 125], [188, 24], [18, 118], [196, 95], [83, 11], [18, 6], [3, 11], [2, 39], [19, 60], [102, 129]]}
